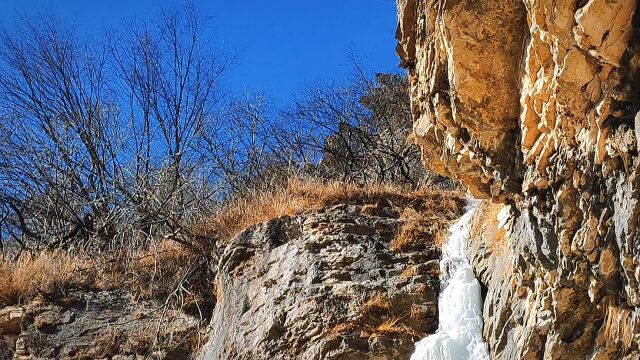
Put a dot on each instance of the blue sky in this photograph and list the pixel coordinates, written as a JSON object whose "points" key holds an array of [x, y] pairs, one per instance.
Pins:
{"points": [[281, 43]]}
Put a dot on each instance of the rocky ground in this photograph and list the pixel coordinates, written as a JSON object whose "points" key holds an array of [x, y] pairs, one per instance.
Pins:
{"points": [[102, 325]]}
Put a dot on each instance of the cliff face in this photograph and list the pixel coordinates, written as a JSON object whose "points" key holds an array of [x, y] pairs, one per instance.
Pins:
{"points": [[532, 104], [347, 295]]}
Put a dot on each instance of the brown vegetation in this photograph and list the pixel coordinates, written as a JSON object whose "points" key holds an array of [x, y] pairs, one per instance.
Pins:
{"points": [[376, 304], [417, 313], [429, 222], [433, 208], [166, 268], [163, 272], [376, 318], [409, 272], [46, 273], [393, 328], [342, 328]]}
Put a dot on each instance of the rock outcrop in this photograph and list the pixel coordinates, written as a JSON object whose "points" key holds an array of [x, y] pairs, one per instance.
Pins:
{"points": [[96, 325], [325, 285], [533, 104], [354, 274]]}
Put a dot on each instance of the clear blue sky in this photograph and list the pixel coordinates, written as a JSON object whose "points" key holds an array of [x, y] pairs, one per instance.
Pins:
{"points": [[281, 43]]}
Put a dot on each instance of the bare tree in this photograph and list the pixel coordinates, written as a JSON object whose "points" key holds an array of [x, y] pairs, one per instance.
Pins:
{"points": [[361, 129], [256, 149], [100, 139], [355, 131], [130, 138], [169, 76], [56, 104]]}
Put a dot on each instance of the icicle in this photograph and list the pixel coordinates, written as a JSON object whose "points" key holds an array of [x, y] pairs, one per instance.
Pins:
{"points": [[459, 334]]}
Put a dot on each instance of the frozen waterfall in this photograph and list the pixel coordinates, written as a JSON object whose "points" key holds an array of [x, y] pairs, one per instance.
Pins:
{"points": [[459, 334]]}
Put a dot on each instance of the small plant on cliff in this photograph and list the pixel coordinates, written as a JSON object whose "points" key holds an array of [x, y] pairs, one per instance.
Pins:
{"points": [[429, 223]]}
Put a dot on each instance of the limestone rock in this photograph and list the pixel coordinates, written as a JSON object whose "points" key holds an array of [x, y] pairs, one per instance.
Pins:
{"points": [[89, 325], [534, 104], [323, 286], [463, 74]]}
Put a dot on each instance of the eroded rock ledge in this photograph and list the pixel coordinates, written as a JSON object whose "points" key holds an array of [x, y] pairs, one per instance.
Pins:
{"points": [[324, 285], [533, 104]]}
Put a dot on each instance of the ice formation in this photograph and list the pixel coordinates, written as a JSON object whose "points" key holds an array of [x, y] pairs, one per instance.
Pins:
{"points": [[459, 334]]}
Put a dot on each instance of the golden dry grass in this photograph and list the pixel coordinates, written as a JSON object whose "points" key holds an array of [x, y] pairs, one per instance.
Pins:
{"points": [[156, 271], [393, 328], [429, 223], [146, 274], [46, 273], [301, 196], [166, 270], [409, 272], [377, 318], [376, 304], [342, 328]]}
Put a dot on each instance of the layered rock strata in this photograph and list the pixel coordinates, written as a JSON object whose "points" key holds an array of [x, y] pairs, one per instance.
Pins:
{"points": [[324, 285], [96, 325], [533, 104]]}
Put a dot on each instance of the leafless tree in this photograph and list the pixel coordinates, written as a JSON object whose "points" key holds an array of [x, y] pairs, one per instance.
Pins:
{"points": [[100, 137], [361, 129], [169, 76], [114, 142], [354, 131], [256, 149]]}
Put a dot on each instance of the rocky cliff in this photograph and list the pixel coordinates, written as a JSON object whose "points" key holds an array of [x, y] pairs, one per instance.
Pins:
{"points": [[96, 325], [533, 105], [354, 275], [329, 284]]}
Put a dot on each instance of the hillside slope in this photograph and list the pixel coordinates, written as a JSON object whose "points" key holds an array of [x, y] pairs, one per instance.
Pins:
{"points": [[312, 270]]}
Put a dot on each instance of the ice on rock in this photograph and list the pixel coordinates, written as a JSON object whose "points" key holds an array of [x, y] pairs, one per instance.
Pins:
{"points": [[459, 334]]}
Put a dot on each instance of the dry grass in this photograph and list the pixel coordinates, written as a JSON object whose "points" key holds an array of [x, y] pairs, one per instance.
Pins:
{"points": [[428, 224], [342, 328], [422, 288], [393, 328], [375, 305], [301, 196], [417, 312], [409, 272], [47, 273], [377, 318], [165, 266], [150, 273], [619, 326], [153, 273]]}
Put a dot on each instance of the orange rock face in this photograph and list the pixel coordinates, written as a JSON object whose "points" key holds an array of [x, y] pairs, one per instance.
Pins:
{"points": [[499, 88], [533, 104]]}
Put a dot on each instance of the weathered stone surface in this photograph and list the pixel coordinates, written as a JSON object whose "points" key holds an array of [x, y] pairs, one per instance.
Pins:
{"points": [[534, 104], [323, 286], [462, 58], [10, 318], [103, 325]]}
